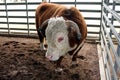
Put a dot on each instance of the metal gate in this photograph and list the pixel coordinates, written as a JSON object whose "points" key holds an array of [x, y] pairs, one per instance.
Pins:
{"points": [[110, 38]]}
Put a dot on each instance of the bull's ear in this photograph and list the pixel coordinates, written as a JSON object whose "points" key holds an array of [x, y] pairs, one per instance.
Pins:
{"points": [[73, 32]]}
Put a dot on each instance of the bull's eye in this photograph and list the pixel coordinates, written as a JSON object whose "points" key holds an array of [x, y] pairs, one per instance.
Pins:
{"points": [[60, 39]]}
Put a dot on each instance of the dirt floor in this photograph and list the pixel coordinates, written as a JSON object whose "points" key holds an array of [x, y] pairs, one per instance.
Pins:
{"points": [[22, 59]]}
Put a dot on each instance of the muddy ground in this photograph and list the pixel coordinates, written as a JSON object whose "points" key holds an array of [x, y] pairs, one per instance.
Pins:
{"points": [[22, 59]]}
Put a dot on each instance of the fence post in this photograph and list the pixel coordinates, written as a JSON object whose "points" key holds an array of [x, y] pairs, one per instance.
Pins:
{"points": [[118, 48], [75, 3], [7, 17], [101, 20], [27, 17]]}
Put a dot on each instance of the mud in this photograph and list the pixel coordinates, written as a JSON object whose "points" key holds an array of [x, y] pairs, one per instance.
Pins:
{"points": [[22, 59]]}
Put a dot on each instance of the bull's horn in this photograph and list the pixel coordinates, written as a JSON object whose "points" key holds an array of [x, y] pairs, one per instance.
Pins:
{"points": [[42, 27], [73, 25], [43, 24]]}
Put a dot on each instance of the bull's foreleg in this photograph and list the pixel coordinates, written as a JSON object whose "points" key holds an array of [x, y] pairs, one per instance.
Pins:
{"points": [[41, 40], [74, 58], [43, 44], [58, 65]]}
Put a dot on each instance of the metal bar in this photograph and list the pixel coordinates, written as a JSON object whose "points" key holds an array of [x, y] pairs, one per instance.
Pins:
{"points": [[118, 1], [112, 18], [81, 10], [27, 17], [18, 10], [75, 3], [101, 19], [87, 18], [18, 16], [36, 3], [18, 29], [118, 50], [32, 23], [20, 23], [88, 3], [104, 55], [7, 17], [81, 3], [112, 22], [89, 32], [97, 11]]}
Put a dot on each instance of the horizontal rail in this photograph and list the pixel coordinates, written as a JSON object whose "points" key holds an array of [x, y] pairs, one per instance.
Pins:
{"points": [[118, 1], [31, 3]]}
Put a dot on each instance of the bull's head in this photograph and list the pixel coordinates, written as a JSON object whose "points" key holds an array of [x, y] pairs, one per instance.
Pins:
{"points": [[58, 34]]}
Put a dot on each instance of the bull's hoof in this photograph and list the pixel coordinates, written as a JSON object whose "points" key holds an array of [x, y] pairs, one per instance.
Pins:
{"points": [[58, 70], [74, 65], [42, 47]]}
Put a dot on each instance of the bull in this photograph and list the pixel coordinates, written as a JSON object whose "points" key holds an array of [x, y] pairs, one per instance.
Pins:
{"points": [[61, 30]]}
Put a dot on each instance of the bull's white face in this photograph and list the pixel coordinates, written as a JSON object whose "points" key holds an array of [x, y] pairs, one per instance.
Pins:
{"points": [[57, 39]]}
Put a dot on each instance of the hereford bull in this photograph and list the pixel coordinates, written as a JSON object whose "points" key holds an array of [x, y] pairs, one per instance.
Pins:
{"points": [[63, 28]]}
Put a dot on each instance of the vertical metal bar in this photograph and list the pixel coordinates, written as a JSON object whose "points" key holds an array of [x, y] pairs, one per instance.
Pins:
{"points": [[117, 68], [49, 0], [75, 3], [105, 10], [107, 56], [7, 17], [28, 28], [118, 48], [101, 20], [112, 21]]}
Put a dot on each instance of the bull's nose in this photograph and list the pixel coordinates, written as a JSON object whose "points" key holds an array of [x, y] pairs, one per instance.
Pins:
{"points": [[49, 57]]}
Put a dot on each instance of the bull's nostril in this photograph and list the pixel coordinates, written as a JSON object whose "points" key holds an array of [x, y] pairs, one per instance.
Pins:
{"points": [[49, 57], [45, 45]]}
